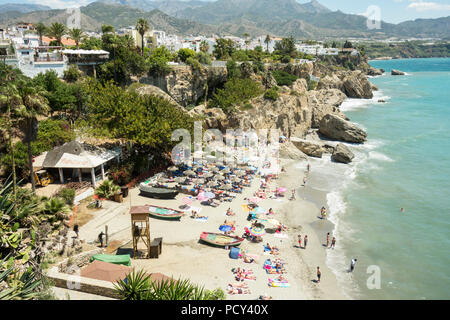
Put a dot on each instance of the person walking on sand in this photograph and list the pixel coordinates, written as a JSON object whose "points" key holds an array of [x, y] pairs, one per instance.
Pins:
{"points": [[307, 167], [305, 241], [318, 274], [299, 241], [333, 243], [304, 181], [352, 264], [100, 239], [328, 239]]}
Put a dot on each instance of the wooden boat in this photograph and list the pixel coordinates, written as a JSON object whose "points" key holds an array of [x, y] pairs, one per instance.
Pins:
{"points": [[220, 239], [158, 193], [165, 213]]}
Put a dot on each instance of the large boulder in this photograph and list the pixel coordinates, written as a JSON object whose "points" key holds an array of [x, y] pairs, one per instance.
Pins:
{"points": [[310, 148], [153, 90], [397, 72], [300, 86], [342, 154], [323, 102], [334, 127], [374, 71], [356, 85], [289, 151]]}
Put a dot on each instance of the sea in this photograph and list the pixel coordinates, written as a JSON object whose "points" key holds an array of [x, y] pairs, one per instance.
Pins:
{"points": [[391, 205]]}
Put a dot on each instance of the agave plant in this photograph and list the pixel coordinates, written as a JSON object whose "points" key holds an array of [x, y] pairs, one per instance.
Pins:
{"points": [[139, 286], [20, 286], [57, 207], [107, 189]]}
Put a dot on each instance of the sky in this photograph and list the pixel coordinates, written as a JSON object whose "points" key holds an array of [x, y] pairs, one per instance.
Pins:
{"points": [[393, 11]]}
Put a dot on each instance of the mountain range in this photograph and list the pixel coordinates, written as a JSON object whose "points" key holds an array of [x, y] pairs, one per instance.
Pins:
{"points": [[23, 8], [236, 17]]}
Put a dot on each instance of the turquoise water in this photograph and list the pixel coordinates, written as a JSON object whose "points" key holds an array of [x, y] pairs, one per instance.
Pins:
{"points": [[405, 164]]}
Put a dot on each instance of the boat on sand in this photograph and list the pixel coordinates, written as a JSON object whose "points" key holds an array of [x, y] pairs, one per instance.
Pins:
{"points": [[220, 239]]}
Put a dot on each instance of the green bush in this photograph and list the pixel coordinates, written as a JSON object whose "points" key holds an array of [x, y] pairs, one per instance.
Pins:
{"points": [[312, 84], [283, 78], [195, 65], [235, 91], [68, 195], [271, 94], [72, 74]]}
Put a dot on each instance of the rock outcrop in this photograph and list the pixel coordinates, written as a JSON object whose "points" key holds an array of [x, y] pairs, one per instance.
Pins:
{"points": [[325, 101], [289, 151], [342, 154], [374, 71], [397, 72], [356, 85], [309, 148], [152, 90], [187, 86], [334, 127]]}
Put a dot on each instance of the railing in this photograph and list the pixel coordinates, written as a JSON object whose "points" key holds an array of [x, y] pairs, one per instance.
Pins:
{"points": [[48, 59], [8, 57]]}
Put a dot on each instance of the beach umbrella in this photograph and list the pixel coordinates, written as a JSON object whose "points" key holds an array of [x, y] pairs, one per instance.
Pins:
{"points": [[219, 178], [210, 195], [255, 199], [179, 179], [226, 170], [199, 181], [187, 200], [225, 228], [239, 172], [214, 169], [189, 173], [211, 183], [201, 196], [257, 231], [173, 168], [227, 187], [208, 175], [281, 190], [235, 179]]}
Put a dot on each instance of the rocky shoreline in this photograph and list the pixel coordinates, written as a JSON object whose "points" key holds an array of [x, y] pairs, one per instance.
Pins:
{"points": [[310, 119]]}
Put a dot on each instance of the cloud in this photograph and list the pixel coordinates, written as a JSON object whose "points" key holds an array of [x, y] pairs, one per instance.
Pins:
{"points": [[429, 6], [62, 4]]}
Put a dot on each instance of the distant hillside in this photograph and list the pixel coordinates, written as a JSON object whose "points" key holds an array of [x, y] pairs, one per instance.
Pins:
{"points": [[22, 7], [170, 7]]}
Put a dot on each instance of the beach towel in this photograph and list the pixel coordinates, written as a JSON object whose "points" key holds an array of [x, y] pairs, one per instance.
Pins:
{"points": [[203, 219], [266, 249], [281, 235], [245, 208], [279, 285]]}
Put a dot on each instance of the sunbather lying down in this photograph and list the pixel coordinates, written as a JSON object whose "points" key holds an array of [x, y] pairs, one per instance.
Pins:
{"points": [[238, 291], [237, 285], [242, 277], [248, 259], [265, 297], [242, 271]]}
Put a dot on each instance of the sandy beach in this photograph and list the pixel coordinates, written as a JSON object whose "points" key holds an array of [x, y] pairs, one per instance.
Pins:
{"points": [[183, 256]]}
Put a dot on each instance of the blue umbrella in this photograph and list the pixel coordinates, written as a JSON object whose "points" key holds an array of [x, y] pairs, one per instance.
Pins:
{"points": [[225, 228]]}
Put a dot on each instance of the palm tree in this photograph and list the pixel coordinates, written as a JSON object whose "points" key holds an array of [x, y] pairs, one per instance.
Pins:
{"points": [[247, 41], [41, 29], [76, 35], [57, 208], [142, 27], [32, 105], [57, 30], [107, 189], [267, 41]]}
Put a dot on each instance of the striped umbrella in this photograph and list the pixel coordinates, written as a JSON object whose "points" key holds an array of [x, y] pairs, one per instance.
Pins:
{"points": [[257, 231]]}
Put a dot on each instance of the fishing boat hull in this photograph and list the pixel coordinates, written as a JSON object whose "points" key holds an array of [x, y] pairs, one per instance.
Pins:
{"points": [[220, 240], [165, 213], [157, 193]]}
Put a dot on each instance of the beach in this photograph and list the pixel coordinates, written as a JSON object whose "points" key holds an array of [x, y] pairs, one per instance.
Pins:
{"points": [[183, 256]]}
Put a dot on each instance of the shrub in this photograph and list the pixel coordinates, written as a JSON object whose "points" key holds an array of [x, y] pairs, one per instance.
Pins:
{"points": [[121, 174], [312, 84], [195, 65], [107, 189], [271, 94], [184, 54], [247, 106], [72, 74], [203, 58], [284, 78], [235, 91], [68, 195], [286, 59]]}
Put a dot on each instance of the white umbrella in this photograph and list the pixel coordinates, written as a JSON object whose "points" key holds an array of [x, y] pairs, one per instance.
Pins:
{"points": [[189, 173], [173, 168]]}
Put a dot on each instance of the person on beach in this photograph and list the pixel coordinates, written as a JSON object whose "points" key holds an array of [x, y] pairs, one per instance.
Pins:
{"points": [[305, 241], [307, 167], [352, 264], [304, 181], [293, 195], [100, 239], [319, 274], [333, 243], [328, 239], [299, 241]]}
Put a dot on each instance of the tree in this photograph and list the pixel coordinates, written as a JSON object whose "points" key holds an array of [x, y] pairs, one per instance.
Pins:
{"points": [[247, 40], [32, 105], [142, 27], [57, 30], [224, 49], [286, 47], [106, 28], [348, 44], [267, 41], [184, 53], [204, 46], [41, 29], [76, 35], [158, 61]]}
